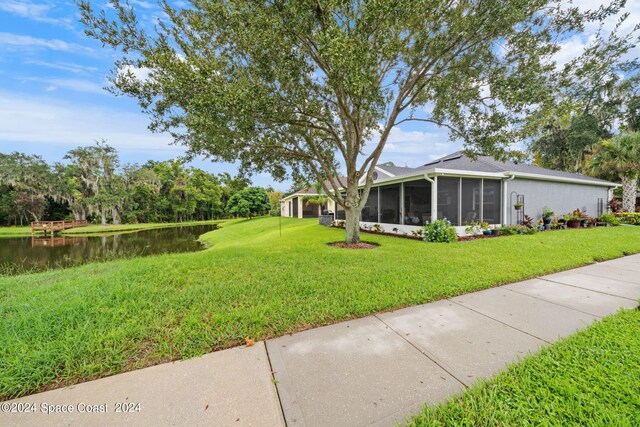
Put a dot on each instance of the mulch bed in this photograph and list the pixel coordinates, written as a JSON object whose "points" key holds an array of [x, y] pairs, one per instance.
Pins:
{"points": [[478, 236], [361, 245]]}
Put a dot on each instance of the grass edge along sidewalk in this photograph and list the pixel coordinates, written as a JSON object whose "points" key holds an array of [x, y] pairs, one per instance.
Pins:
{"points": [[589, 378]]}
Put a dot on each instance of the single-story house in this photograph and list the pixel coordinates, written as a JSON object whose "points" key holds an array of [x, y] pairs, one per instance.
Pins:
{"points": [[464, 190]]}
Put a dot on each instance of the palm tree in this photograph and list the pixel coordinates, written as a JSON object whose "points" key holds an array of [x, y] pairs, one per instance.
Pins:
{"points": [[619, 157]]}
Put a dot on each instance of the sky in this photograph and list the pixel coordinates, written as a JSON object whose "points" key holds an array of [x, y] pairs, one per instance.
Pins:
{"points": [[52, 96]]}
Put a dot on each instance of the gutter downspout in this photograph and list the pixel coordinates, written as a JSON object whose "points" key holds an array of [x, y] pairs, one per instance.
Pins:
{"points": [[434, 196], [505, 192]]}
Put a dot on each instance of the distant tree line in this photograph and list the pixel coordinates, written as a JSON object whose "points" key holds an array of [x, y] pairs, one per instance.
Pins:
{"points": [[91, 184]]}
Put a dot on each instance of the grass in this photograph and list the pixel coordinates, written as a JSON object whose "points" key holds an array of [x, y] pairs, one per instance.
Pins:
{"points": [[591, 378], [104, 229], [66, 326]]}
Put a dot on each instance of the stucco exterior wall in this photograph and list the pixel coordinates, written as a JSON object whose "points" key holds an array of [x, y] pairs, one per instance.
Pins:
{"points": [[560, 197]]}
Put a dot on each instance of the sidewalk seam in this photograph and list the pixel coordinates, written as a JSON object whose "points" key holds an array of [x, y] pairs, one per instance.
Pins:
{"points": [[275, 382], [552, 302], [500, 321], [422, 352], [587, 289]]}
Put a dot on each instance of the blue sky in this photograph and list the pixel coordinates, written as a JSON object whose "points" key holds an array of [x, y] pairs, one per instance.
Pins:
{"points": [[52, 98]]}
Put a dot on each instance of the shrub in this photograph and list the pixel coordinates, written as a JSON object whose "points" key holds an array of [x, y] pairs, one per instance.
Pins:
{"points": [[629, 218], [509, 230], [528, 221], [417, 233], [440, 230]]}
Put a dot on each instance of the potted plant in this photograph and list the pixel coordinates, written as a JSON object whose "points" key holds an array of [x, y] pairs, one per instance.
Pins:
{"points": [[495, 230], [547, 216], [573, 220], [485, 228], [518, 206]]}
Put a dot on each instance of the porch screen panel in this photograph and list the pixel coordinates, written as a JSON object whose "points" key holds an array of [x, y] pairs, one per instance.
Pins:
{"points": [[390, 204], [370, 209], [491, 196], [308, 210], [470, 200], [448, 199], [417, 202], [295, 207]]}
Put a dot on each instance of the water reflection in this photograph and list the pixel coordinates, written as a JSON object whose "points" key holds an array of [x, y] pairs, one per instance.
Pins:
{"points": [[23, 254]]}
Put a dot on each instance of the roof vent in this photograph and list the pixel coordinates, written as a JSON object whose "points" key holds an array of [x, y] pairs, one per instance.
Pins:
{"points": [[374, 175]]}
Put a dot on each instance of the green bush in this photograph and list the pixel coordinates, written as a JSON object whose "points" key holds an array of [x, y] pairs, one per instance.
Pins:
{"points": [[609, 218], [440, 231], [630, 218], [509, 230]]}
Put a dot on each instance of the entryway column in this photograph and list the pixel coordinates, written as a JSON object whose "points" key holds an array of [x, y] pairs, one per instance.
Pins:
{"points": [[434, 199]]}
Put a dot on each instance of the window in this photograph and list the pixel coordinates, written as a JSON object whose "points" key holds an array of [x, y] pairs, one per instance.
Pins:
{"points": [[491, 196], [470, 200], [370, 209], [448, 199], [390, 204], [417, 202]]}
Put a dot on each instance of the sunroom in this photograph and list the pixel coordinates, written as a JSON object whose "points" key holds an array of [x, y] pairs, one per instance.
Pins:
{"points": [[413, 202]]}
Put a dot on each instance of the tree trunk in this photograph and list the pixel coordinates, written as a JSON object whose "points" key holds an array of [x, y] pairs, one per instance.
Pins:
{"points": [[115, 215], [103, 216], [352, 225], [629, 190]]}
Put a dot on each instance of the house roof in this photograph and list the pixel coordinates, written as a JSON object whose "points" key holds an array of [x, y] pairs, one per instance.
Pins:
{"points": [[460, 164], [459, 161], [311, 191], [395, 170]]}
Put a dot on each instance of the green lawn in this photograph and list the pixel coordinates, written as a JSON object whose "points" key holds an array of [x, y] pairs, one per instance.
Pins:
{"points": [[591, 378], [66, 326], [103, 229]]}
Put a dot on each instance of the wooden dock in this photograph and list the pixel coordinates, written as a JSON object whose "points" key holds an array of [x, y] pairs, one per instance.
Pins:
{"points": [[53, 226]]}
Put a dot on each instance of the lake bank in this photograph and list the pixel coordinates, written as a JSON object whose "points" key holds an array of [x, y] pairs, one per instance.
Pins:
{"points": [[95, 229]]}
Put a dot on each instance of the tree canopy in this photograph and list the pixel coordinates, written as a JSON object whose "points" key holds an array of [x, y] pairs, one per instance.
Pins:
{"points": [[303, 86], [91, 184], [619, 158]]}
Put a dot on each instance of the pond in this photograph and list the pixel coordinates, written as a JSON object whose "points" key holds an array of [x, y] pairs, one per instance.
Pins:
{"points": [[27, 254]]}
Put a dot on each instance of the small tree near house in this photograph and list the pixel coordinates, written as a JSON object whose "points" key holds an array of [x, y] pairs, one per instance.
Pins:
{"points": [[249, 202]]}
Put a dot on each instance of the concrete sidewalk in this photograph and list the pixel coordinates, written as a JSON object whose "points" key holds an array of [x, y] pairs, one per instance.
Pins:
{"points": [[375, 370]]}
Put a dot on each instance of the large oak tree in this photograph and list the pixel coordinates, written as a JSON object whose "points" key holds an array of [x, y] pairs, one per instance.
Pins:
{"points": [[302, 86]]}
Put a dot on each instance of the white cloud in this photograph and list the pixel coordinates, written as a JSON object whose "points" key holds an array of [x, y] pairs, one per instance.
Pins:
{"points": [[414, 147], [34, 11], [141, 74], [64, 66], [143, 4], [76, 85], [575, 44], [46, 121], [21, 41]]}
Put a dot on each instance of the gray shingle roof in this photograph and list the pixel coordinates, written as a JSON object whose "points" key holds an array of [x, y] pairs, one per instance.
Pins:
{"points": [[459, 161], [396, 170]]}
